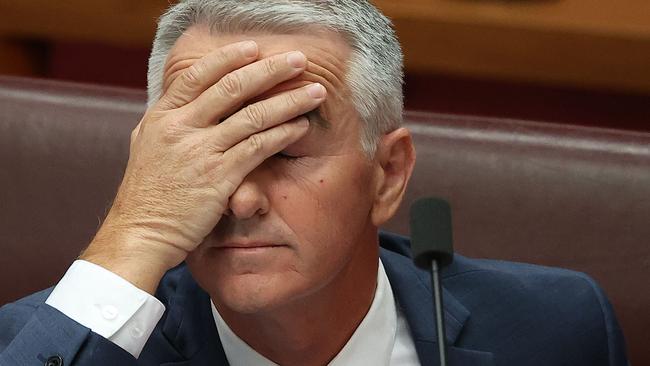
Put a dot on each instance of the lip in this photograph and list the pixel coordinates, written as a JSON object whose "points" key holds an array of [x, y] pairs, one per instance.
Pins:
{"points": [[249, 246]]}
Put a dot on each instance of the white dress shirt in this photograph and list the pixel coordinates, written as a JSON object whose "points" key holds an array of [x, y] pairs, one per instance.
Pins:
{"points": [[117, 310], [382, 338]]}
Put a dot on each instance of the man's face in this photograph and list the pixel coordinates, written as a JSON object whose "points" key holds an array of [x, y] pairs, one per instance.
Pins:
{"points": [[312, 203]]}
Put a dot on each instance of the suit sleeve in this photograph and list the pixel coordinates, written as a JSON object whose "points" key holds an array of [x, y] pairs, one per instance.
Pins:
{"points": [[92, 317], [107, 304], [32, 332]]}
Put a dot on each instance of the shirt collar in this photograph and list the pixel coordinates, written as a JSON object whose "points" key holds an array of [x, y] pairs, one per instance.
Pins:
{"points": [[371, 344]]}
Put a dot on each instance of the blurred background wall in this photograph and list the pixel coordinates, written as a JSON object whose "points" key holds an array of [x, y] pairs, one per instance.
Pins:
{"points": [[581, 62]]}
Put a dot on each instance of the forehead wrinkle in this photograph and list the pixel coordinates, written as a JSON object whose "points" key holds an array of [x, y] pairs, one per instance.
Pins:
{"points": [[337, 92], [321, 72]]}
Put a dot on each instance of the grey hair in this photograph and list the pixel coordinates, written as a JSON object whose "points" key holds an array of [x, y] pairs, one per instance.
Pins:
{"points": [[375, 69]]}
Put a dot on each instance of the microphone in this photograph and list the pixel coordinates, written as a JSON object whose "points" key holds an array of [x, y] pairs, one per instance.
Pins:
{"points": [[431, 243], [431, 232]]}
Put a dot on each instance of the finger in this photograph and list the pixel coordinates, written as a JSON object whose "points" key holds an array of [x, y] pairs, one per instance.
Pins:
{"points": [[241, 85], [265, 114], [244, 157], [206, 71]]}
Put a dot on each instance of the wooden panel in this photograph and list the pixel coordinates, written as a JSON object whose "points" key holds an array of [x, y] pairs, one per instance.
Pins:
{"points": [[18, 58], [571, 42], [621, 17], [597, 44], [123, 22], [526, 55]]}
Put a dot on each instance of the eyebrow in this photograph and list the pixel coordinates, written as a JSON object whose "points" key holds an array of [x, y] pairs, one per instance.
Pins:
{"points": [[316, 118]]}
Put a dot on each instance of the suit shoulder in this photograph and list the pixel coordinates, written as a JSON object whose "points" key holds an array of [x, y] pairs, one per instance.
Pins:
{"points": [[463, 266], [398, 246], [525, 313], [530, 279], [525, 281], [538, 304]]}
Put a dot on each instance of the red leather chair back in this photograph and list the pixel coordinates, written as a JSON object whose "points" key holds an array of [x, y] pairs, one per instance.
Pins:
{"points": [[555, 195]]}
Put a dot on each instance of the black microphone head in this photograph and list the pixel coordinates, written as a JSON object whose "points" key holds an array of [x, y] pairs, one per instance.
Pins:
{"points": [[431, 232]]}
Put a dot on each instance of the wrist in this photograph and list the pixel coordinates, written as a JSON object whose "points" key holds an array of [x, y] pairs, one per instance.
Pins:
{"points": [[131, 256]]}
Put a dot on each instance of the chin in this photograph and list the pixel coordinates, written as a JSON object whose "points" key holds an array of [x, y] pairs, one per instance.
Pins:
{"points": [[253, 293]]}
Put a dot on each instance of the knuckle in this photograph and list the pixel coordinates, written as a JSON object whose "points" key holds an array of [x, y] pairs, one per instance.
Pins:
{"points": [[231, 85], [270, 66], [171, 134], [224, 56], [255, 144], [293, 100], [167, 102], [174, 131], [192, 75], [256, 115]]}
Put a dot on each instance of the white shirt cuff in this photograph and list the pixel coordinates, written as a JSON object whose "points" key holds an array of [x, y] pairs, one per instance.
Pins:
{"points": [[107, 304]]}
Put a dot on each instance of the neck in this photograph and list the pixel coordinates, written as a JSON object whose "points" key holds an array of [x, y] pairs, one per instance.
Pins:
{"points": [[314, 329]]}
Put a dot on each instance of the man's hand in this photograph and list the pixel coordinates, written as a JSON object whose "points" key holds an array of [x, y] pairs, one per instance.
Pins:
{"points": [[187, 158]]}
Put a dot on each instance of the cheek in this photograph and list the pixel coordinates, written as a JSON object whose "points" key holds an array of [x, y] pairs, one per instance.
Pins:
{"points": [[327, 207]]}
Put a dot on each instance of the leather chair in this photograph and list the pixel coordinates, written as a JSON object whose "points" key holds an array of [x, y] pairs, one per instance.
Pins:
{"points": [[556, 195]]}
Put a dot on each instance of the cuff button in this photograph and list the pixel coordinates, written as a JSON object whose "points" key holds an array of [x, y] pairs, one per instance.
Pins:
{"points": [[109, 312], [54, 361]]}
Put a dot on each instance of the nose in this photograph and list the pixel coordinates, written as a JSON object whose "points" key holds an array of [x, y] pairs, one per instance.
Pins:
{"points": [[248, 200]]}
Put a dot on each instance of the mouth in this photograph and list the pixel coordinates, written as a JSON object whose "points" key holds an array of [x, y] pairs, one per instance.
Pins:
{"points": [[249, 246]]}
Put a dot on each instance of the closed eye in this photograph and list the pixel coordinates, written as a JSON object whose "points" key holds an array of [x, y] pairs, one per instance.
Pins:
{"points": [[284, 156]]}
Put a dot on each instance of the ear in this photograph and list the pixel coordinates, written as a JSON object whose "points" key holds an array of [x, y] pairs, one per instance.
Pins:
{"points": [[395, 159]]}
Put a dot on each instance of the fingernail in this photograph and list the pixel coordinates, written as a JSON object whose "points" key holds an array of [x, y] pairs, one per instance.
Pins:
{"points": [[316, 91], [296, 60], [249, 48]]}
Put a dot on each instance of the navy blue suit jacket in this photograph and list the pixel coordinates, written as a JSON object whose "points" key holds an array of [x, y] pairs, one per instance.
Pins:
{"points": [[496, 313]]}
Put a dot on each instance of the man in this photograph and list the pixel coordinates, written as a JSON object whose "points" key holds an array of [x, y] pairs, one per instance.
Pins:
{"points": [[270, 154]]}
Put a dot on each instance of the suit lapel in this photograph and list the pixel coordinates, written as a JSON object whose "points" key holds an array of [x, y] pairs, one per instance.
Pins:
{"points": [[190, 326], [412, 289]]}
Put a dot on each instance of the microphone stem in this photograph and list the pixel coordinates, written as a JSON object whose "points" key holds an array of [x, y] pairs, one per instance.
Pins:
{"points": [[440, 320]]}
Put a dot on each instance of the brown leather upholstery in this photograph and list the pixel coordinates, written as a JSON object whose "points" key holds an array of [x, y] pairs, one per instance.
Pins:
{"points": [[63, 148], [572, 197]]}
